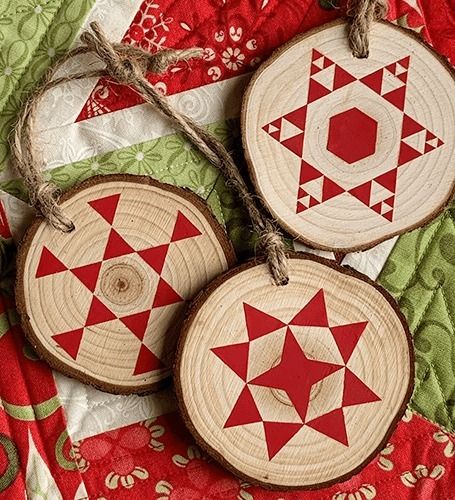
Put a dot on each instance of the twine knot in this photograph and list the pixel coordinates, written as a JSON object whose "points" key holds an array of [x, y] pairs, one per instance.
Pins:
{"points": [[125, 67], [126, 63], [46, 197], [362, 13], [274, 248]]}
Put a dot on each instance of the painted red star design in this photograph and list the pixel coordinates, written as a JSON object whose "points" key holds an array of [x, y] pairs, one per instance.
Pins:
{"points": [[295, 373], [89, 275], [389, 84]]}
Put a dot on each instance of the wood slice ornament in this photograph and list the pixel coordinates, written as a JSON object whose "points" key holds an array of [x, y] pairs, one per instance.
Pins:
{"points": [[104, 274], [296, 386], [347, 152], [103, 303]]}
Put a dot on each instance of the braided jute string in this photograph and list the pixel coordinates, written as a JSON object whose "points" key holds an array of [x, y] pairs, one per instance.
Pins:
{"points": [[361, 14], [128, 65]]}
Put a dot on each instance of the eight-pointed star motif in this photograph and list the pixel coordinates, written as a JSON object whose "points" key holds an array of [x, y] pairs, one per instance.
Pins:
{"points": [[315, 185], [295, 373], [116, 250]]}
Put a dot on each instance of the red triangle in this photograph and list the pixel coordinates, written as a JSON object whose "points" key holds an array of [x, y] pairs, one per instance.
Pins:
{"points": [[314, 69], [294, 144], [184, 228], [374, 81], [98, 313], [235, 356], [316, 91], [405, 62], [342, 78], [146, 361], [377, 207], [388, 180], [137, 323], [308, 173], [347, 336], [70, 341], [259, 323], [355, 392], [390, 201], [331, 424], [362, 193], [388, 215], [314, 201], [410, 127], [276, 133], [330, 189], [301, 193], [155, 256], [300, 207], [49, 264], [106, 207], [327, 62], [165, 295], [314, 313], [397, 97], [297, 117], [314, 57], [245, 410], [278, 434], [407, 154], [88, 275], [392, 68], [116, 246], [429, 135], [403, 77]]}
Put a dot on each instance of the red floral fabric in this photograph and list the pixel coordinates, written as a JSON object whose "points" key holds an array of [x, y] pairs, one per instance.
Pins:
{"points": [[30, 416], [236, 36], [158, 459]]}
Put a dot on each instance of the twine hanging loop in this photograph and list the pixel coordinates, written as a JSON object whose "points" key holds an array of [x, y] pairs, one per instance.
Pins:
{"points": [[362, 14], [128, 65]]}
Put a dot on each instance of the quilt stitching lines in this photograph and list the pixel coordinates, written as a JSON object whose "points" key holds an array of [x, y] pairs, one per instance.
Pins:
{"points": [[422, 288]]}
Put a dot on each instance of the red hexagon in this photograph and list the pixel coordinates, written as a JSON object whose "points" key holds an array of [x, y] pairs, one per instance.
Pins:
{"points": [[352, 135]]}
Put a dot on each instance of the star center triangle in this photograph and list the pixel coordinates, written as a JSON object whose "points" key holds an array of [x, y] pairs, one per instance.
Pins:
{"points": [[295, 374]]}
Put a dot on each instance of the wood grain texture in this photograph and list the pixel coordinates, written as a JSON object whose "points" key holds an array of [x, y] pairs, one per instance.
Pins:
{"points": [[349, 152], [104, 303], [296, 386]]}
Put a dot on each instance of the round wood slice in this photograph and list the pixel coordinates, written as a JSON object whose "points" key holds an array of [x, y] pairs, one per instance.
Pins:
{"points": [[104, 303], [296, 386], [348, 152]]}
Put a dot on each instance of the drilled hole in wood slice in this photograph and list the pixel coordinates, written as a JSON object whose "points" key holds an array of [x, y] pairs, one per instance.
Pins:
{"points": [[297, 386], [104, 303], [348, 152]]}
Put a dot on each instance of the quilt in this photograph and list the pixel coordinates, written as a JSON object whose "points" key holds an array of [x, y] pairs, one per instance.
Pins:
{"points": [[60, 439]]}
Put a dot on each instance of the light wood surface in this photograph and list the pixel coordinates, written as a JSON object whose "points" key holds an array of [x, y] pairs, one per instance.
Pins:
{"points": [[348, 152], [104, 303], [296, 386]]}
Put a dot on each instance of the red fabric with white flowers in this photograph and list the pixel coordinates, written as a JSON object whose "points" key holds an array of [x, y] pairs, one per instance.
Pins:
{"points": [[158, 459]]}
